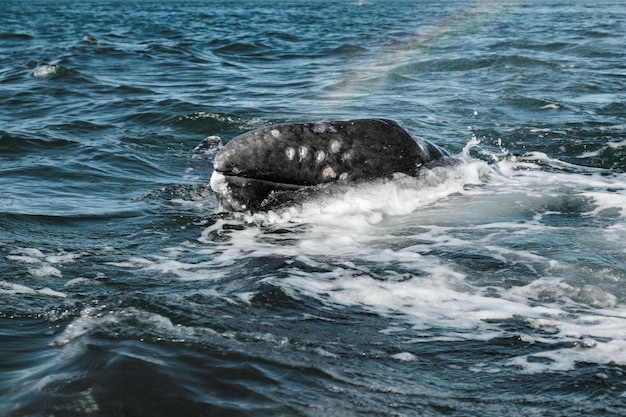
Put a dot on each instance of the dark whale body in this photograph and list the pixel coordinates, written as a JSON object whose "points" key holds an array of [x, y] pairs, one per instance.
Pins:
{"points": [[260, 168]]}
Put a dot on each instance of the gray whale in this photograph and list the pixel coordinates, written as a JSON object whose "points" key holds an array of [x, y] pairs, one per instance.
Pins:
{"points": [[262, 168]]}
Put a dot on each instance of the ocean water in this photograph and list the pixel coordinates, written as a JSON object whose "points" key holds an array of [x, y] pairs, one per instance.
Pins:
{"points": [[494, 287]]}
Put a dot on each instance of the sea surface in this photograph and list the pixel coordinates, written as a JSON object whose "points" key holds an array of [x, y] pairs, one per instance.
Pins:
{"points": [[496, 287]]}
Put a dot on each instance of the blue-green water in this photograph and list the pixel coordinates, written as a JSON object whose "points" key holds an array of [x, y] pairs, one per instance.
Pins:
{"points": [[496, 287]]}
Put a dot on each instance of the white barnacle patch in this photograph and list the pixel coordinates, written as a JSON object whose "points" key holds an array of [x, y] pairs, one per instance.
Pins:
{"points": [[302, 152], [319, 127], [335, 146], [343, 176], [275, 132], [290, 153], [328, 172], [320, 156], [323, 127]]}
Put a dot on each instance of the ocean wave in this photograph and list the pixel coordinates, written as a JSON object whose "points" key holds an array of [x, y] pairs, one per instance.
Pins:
{"points": [[125, 289], [15, 143], [49, 70]]}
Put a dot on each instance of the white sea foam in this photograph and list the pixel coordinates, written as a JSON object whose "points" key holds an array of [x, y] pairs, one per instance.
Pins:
{"points": [[12, 288], [26, 255], [45, 271], [45, 70], [109, 319], [391, 248], [404, 357], [41, 265]]}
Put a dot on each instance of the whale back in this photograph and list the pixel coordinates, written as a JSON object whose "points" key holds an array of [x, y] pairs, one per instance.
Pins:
{"points": [[269, 166], [317, 153]]}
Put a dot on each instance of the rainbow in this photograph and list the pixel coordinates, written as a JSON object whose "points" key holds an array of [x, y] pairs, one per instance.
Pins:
{"points": [[369, 74]]}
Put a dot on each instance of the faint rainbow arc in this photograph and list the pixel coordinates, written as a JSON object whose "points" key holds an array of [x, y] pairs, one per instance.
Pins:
{"points": [[366, 79]]}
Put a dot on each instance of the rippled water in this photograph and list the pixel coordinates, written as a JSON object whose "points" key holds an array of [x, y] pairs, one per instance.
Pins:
{"points": [[495, 287]]}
